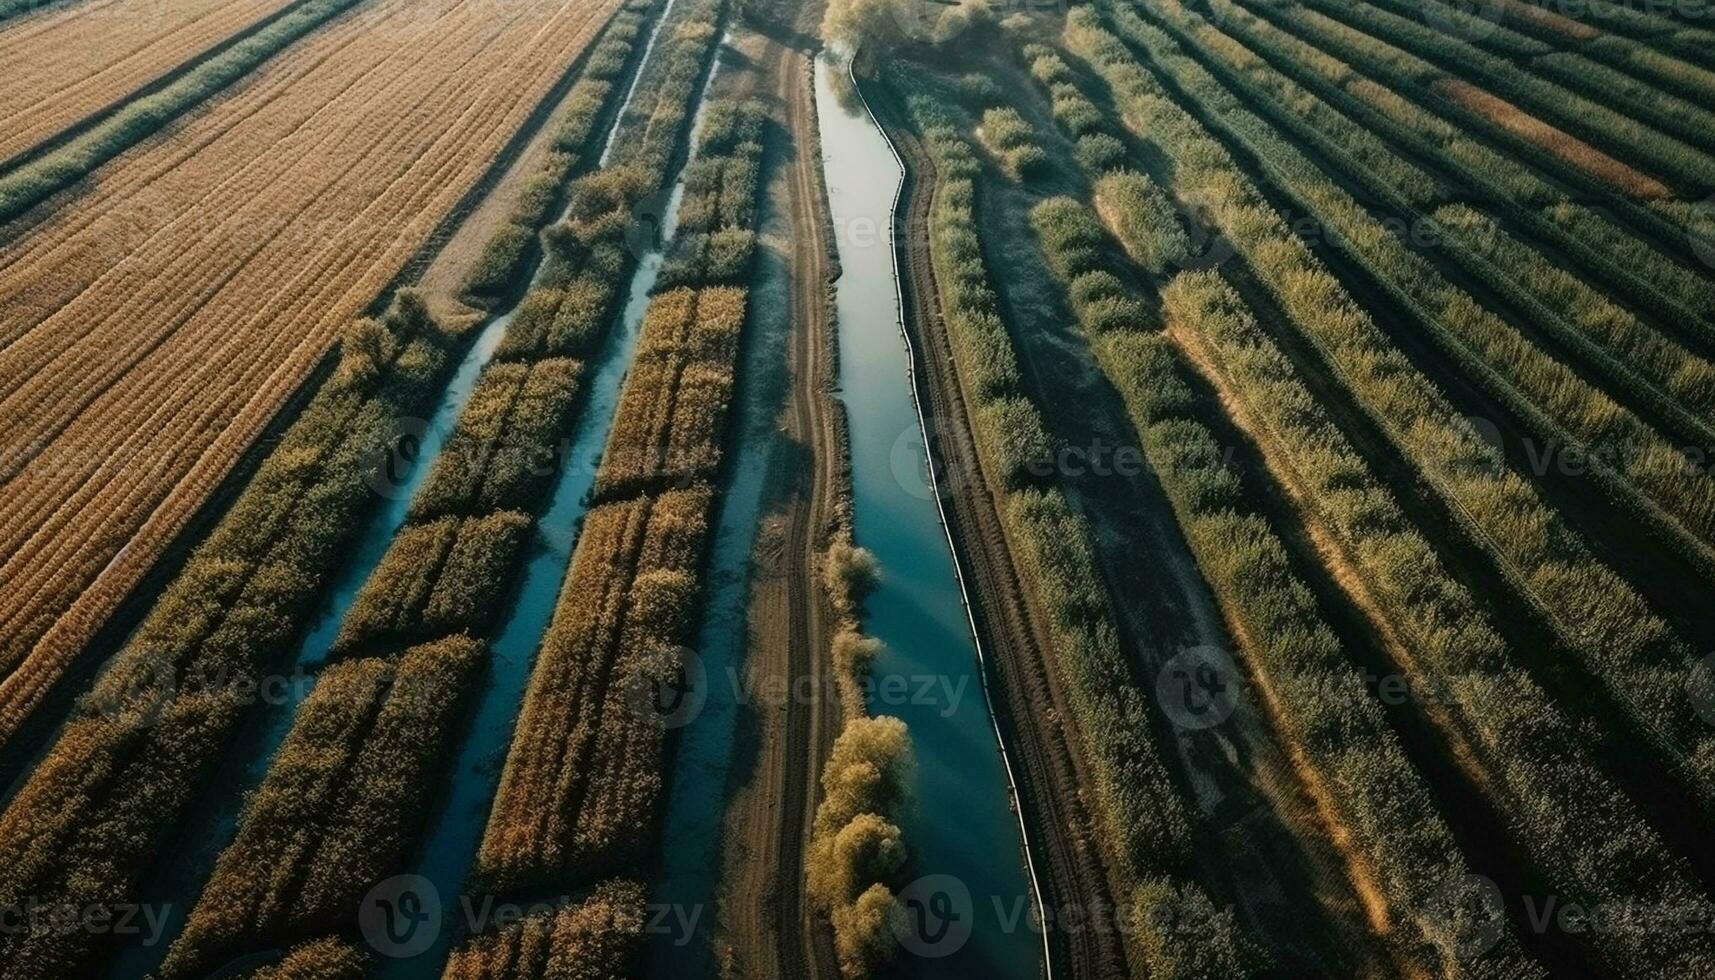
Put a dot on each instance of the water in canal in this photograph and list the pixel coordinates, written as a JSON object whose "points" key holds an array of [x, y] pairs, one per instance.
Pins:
{"points": [[970, 901]]}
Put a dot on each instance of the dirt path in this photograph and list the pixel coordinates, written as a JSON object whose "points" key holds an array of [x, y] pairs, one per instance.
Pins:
{"points": [[767, 929]]}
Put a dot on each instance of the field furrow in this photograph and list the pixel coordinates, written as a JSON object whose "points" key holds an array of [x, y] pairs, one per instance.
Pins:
{"points": [[101, 53], [185, 345]]}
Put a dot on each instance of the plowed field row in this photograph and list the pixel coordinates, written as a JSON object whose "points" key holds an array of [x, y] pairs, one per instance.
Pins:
{"points": [[154, 364], [79, 60]]}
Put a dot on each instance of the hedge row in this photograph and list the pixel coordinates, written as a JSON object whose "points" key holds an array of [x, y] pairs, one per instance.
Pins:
{"points": [[1142, 818], [320, 959], [1302, 672], [1013, 143], [337, 808]]}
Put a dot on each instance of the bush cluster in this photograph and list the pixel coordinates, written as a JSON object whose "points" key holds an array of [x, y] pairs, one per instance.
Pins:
{"points": [[594, 938]]}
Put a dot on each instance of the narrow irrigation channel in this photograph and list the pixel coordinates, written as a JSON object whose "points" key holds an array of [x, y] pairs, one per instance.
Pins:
{"points": [[688, 872], [969, 908], [476, 769]]}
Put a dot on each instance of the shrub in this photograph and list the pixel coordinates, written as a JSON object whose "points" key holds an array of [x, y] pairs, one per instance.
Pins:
{"points": [[595, 938]]}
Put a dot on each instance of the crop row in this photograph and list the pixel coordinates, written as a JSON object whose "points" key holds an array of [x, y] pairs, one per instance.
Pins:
{"points": [[588, 939], [1611, 626], [145, 381], [1143, 821], [336, 810], [1664, 155], [1567, 408], [571, 140], [1348, 752], [137, 120], [577, 796], [1494, 502], [1013, 142], [505, 447], [584, 773], [716, 235], [589, 253], [318, 959], [83, 824], [672, 414], [1657, 281], [84, 58]]}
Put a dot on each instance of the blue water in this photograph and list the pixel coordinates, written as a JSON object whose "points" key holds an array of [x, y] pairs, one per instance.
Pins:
{"points": [[966, 870]]}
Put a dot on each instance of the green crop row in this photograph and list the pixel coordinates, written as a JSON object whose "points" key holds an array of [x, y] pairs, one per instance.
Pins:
{"points": [[1661, 108], [1096, 147], [1595, 612], [1143, 220], [141, 118], [1400, 24], [335, 811], [1632, 461], [571, 138], [1010, 436], [578, 793], [1141, 816], [1625, 263], [1555, 296], [1567, 408], [1577, 826], [84, 824], [1012, 142], [1302, 672], [505, 445], [594, 938]]}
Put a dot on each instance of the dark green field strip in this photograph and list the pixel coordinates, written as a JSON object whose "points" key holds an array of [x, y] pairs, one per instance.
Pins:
{"points": [[1499, 510], [1666, 384], [1307, 47], [1302, 668], [1637, 464], [28, 185], [1401, 400], [1610, 131]]}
